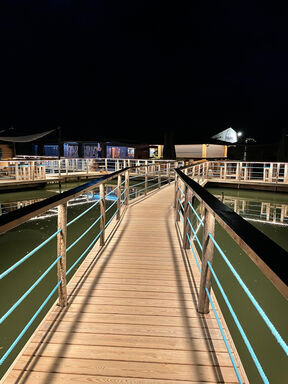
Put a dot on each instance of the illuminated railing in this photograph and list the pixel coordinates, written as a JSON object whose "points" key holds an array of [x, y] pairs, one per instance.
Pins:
{"points": [[196, 212], [40, 169], [240, 171], [143, 176]]}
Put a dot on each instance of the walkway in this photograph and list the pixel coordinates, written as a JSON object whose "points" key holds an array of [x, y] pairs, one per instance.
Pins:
{"points": [[132, 316]]}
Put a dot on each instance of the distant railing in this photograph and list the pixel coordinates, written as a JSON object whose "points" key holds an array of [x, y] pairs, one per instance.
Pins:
{"points": [[258, 211], [41, 169], [149, 177], [242, 171], [196, 208]]}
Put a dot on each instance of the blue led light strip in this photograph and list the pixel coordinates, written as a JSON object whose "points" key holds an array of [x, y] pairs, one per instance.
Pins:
{"points": [[82, 255], [195, 234], [108, 222], [252, 298], [19, 301], [181, 191], [135, 185], [5, 273], [112, 205], [196, 214], [239, 326], [24, 330], [107, 194], [224, 338], [83, 213], [83, 234], [180, 215], [195, 257], [181, 204]]}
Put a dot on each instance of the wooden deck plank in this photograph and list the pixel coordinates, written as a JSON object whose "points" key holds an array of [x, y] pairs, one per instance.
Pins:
{"points": [[132, 315], [162, 342], [59, 378], [137, 310], [176, 321], [127, 369]]}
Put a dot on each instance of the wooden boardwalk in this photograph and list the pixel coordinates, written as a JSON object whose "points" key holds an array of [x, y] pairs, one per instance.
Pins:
{"points": [[132, 315]]}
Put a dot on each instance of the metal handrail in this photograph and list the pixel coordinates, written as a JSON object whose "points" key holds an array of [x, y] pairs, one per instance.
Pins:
{"points": [[15, 218], [250, 239], [245, 235]]}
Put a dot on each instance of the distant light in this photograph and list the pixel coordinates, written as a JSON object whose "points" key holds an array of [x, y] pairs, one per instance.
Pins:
{"points": [[239, 134]]}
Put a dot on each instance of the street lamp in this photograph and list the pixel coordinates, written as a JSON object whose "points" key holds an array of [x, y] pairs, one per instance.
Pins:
{"points": [[247, 140]]}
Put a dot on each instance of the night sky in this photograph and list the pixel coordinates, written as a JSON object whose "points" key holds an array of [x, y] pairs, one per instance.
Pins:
{"points": [[133, 70]]}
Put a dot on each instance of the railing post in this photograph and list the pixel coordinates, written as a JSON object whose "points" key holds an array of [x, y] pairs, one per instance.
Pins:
{"points": [[59, 169], [225, 171], [16, 170], [278, 173], [238, 173], [207, 255], [119, 197], [102, 213], [146, 178], [61, 251], [33, 169], [177, 195], [186, 226], [285, 173], [169, 172], [106, 165], [159, 176], [271, 173], [127, 187]]}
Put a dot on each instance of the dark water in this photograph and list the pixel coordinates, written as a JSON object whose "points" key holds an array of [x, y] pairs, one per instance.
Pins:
{"points": [[18, 242], [269, 213]]}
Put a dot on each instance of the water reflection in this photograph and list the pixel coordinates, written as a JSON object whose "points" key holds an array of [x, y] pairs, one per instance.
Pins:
{"points": [[18, 202], [11, 202], [254, 210]]}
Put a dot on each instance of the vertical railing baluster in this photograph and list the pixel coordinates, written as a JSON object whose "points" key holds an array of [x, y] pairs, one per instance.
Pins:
{"points": [[146, 178], [16, 169], [207, 255], [153, 168], [119, 197], [102, 213], [159, 176], [127, 187], [59, 169], [32, 170], [238, 172], [169, 172], [177, 196], [285, 180], [186, 214], [106, 165], [271, 173], [61, 251]]}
